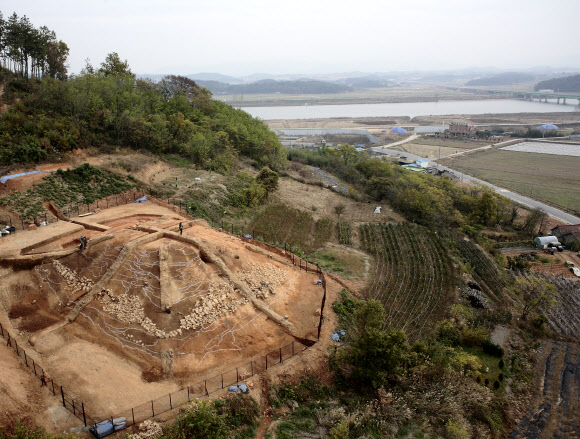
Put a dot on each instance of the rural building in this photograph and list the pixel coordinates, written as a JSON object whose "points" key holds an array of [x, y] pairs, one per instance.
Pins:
{"points": [[462, 129], [568, 234], [423, 163], [544, 241]]}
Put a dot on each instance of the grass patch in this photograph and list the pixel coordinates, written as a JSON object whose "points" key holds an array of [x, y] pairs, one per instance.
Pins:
{"points": [[340, 261], [279, 223], [490, 369]]}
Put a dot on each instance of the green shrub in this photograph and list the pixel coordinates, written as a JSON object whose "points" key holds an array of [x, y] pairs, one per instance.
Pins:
{"points": [[201, 420], [492, 349]]}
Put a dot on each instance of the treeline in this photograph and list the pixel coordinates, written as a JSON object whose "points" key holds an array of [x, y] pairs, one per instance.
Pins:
{"points": [[109, 107], [566, 84], [421, 198], [29, 52], [303, 86]]}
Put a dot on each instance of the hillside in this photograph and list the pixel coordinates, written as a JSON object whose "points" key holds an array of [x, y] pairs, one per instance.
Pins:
{"points": [[565, 84], [502, 79]]}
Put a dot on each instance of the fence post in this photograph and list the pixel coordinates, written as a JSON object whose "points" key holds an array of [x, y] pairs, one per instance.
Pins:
{"points": [[237, 376], [53, 392], [133, 415], [188, 399], [74, 412], [280, 355], [252, 366], [16, 346], [85, 416], [25, 359], [232, 229], [266, 361], [222, 380], [205, 385], [292, 348], [34, 366], [2, 329], [306, 266], [170, 404], [62, 394], [152, 409], [113, 424]]}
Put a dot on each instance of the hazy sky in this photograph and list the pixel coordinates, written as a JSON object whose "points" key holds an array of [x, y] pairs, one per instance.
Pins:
{"points": [[239, 37]]}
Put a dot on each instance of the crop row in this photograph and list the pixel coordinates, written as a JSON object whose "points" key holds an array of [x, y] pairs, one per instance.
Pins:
{"points": [[412, 276], [485, 271]]}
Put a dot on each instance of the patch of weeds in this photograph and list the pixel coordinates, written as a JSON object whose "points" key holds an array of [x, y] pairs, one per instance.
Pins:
{"points": [[345, 307]]}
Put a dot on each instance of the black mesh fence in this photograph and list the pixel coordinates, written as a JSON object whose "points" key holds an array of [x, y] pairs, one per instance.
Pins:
{"points": [[76, 407], [212, 384]]}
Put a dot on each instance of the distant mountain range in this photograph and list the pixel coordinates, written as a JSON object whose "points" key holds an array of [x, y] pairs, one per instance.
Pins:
{"points": [[509, 78], [220, 84], [565, 84]]}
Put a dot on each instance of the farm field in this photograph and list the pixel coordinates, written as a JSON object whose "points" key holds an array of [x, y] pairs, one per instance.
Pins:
{"points": [[413, 275], [484, 270], [564, 317], [549, 178], [570, 149], [555, 410]]}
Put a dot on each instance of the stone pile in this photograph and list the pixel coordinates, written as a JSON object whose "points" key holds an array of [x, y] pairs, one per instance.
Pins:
{"points": [[72, 279], [263, 279], [475, 298], [215, 304], [148, 430], [124, 307]]}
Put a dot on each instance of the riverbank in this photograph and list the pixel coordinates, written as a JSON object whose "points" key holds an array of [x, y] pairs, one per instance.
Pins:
{"points": [[567, 120]]}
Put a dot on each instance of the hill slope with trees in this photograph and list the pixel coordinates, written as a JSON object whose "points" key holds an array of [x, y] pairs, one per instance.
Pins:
{"points": [[502, 79], [565, 84]]}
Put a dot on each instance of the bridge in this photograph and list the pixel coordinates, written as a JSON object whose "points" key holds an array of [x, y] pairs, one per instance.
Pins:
{"points": [[531, 95]]}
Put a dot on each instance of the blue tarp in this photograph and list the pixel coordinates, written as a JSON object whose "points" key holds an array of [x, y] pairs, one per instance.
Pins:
{"points": [[141, 200], [9, 177], [107, 427], [337, 336], [399, 130], [547, 126]]}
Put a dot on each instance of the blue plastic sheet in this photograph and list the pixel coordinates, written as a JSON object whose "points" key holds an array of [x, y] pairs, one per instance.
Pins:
{"points": [[107, 427], [10, 177], [141, 200]]}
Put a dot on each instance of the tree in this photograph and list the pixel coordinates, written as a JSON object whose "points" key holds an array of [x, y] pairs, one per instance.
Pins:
{"points": [[268, 179], [347, 152], [374, 355], [339, 209], [535, 294], [113, 66], [535, 219]]}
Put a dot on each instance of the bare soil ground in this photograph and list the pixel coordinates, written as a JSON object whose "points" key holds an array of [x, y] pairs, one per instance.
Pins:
{"points": [[111, 356]]}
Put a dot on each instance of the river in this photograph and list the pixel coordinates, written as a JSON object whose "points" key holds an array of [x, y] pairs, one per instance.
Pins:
{"points": [[411, 109]]}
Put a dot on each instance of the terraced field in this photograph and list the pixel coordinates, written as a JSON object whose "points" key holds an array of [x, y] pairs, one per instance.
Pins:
{"points": [[413, 274], [555, 410], [485, 271]]}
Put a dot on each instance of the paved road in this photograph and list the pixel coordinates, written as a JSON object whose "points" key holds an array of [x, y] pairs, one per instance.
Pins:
{"points": [[526, 201]]}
